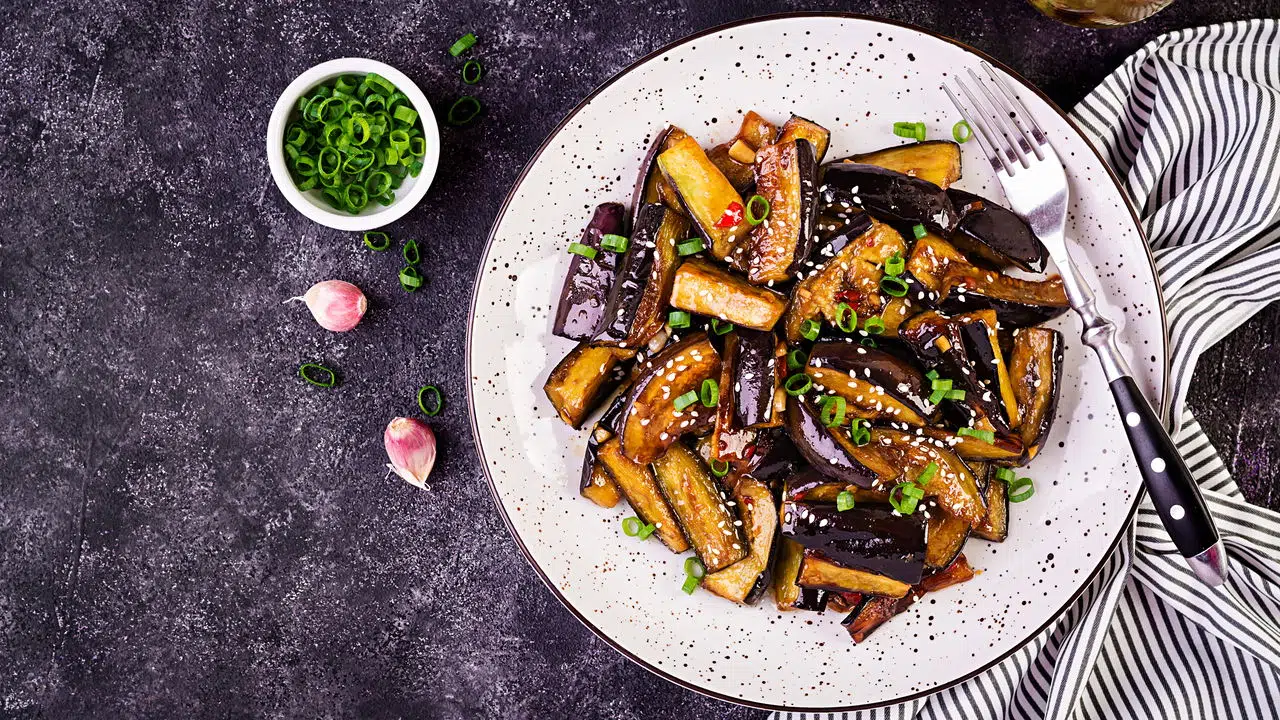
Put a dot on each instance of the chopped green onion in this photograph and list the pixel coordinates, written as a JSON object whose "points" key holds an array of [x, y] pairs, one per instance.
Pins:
{"points": [[919, 231], [809, 329], [833, 407], [436, 407], [920, 131], [646, 531], [844, 501], [631, 526], [1021, 490], [905, 130], [868, 342], [318, 375], [900, 500], [927, 473], [710, 394], [694, 568], [860, 432], [405, 114], [721, 327], [692, 246], [719, 468], [954, 394], [471, 72], [846, 317], [614, 243], [1006, 475], [410, 252], [895, 286], [796, 359], [937, 396], [986, 436], [462, 44], [463, 110], [585, 251], [940, 384], [755, 217], [377, 240], [874, 326], [690, 584], [686, 400], [961, 132], [932, 374], [410, 278], [679, 319], [380, 84], [895, 265], [798, 384]]}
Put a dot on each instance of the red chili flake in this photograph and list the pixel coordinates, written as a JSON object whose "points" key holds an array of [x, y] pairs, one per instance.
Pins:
{"points": [[732, 215], [748, 451], [851, 296]]}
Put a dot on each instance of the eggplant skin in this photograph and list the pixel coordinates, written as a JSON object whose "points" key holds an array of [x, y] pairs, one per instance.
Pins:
{"points": [[774, 458], [869, 537], [662, 230], [995, 234], [937, 161], [581, 310], [755, 379], [633, 278], [744, 581], [828, 452], [896, 197], [939, 341], [873, 612], [798, 128], [902, 378], [786, 176], [583, 379], [787, 594], [646, 188], [1036, 371], [819, 571]]}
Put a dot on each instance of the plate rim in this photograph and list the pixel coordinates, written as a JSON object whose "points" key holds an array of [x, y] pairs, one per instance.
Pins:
{"points": [[1165, 395]]}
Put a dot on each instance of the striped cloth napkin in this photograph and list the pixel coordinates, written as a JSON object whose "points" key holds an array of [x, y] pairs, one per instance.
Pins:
{"points": [[1191, 124]]}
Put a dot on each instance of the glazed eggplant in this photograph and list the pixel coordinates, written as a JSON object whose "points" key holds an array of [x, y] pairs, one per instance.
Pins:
{"points": [[868, 537], [641, 490], [873, 612], [982, 345], [706, 194], [774, 457], [787, 177], [890, 195], [742, 176], [583, 378], [995, 525], [581, 310], [1002, 450], [832, 453], [809, 485], [864, 400], [899, 377], [755, 131], [1036, 367], [730, 440], [663, 229], [758, 398], [746, 580], [798, 128], [787, 595], [947, 534], [698, 500], [851, 275], [952, 485], [705, 289], [935, 161], [821, 572], [651, 187], [1017, 302], [939, 342], [995, 234], [650, 422], [600, 488], [596, 484]]}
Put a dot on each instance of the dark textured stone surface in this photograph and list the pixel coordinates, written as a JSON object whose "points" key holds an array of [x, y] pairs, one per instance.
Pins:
{"points": [[186, 530]]}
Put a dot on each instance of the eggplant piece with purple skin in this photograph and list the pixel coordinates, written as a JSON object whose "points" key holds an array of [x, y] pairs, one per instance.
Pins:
{"points": [[983, 347], [786, 569], [896, 197], [995, 234], [939, 343], [587, 285], [873, 612], [787, 177], [775, 457], [870, 538], [1018, 303], [898, 376], [1036, 370], [830, 451], [635, 310], [591, 484], [746, 580], [757, 379]]}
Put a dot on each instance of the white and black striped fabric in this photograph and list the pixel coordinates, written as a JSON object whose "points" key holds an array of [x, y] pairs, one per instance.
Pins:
{"points": [[1191, 124]]}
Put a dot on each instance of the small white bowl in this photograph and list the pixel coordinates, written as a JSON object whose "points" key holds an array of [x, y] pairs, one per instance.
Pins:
{"points": [[312, 203]]}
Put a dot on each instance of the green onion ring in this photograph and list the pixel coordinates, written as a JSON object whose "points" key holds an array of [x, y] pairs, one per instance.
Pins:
{"points": [[961, 131], [377, 240], [326, 379], [410, 279], [631, 526], [752, 217], [719, 468], [411, 253], [464, 110], [436, 407], [710, 393], [462, 44], [798, 384], [472, 72]]}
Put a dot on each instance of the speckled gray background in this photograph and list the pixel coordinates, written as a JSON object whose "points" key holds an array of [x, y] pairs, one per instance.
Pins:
{"points": [[187, 530]]}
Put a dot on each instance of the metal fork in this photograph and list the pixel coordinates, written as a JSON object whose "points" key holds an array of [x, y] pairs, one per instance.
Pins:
{"points": [[1036, 187]]}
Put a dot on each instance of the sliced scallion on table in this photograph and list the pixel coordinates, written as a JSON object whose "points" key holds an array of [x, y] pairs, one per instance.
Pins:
{"points": [[462, 44], [472, 71], [463, 110], [410, 279], [318, 375], [410, 252], [436, 405]]}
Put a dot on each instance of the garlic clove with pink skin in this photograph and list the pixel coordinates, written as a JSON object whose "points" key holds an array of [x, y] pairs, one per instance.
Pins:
{"points": [[411, 447], [336, 304]]}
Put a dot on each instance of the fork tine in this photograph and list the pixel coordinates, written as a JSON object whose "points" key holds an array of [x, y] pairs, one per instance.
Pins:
{"points": [[1025, 120], [1016, 140], [1001, 158]]}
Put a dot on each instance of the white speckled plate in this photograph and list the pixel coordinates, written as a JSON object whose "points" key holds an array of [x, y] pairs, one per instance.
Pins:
{"points": [[856, 76]]}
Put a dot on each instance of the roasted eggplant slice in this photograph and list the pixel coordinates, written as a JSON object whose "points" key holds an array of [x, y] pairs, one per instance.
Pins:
{"points": [[1004, 450], [947, 534], [650, 422], [995, 526], [871, 538], [939, 342], [663, 227], [937, 161], [873, 612], [983, 348], [758, 398], [774, 457], [1018, 303], [755, 131], [952, 486], [706, 289], [745, 581], [832, 453], [583, 378], [995, 234], [798, 128], [787, 594], [601, 489], [641, 490], [1036, 367], [891, 195], [809, 485], [864, 400], [596, 484], [581, 310], [707, 195], [649, 182], [731, 440], [786, 176], [741, 175], [698, 500], [900, 378], [819, 571]]}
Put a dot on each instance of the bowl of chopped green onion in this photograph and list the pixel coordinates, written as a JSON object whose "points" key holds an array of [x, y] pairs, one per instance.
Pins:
{"points": [[353, 144]]}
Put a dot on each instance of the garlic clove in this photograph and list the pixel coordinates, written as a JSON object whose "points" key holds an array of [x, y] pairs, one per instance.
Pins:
{"points": [[411, 447], [336, 304]]}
